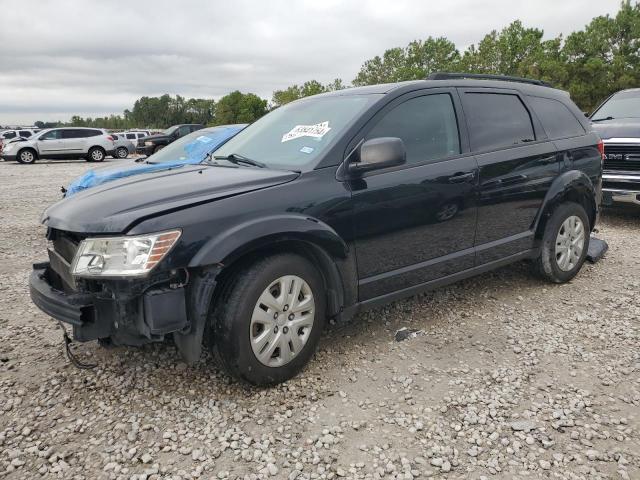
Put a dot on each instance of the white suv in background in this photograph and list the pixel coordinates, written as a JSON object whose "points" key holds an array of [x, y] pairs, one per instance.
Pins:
{"points": [[92, 144], [22, 132]]}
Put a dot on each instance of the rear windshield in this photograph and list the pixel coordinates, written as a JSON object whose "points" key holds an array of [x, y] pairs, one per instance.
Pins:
{"points": [[621, 105], [294, 136]]}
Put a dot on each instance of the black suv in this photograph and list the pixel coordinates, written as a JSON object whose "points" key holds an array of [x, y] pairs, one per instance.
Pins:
{"points": [[320, 209], [151, 144], [617, 122]]}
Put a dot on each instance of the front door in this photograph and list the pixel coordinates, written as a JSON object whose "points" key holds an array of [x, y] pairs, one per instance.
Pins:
{"points": [[50, 143], [416, 222]]}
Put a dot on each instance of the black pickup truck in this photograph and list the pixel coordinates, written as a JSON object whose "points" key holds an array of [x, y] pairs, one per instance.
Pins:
{"points": [[617, 121], [153, 143], [322, 208]]}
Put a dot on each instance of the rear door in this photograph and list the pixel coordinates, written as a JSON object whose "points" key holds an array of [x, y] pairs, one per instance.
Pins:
{"points": [[416, 223], [73, 140], [517, 164]]}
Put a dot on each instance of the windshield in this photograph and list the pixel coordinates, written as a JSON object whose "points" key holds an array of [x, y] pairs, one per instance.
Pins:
{"points": [[295, 135], [621, 105], [170, 130], [193, 148]]}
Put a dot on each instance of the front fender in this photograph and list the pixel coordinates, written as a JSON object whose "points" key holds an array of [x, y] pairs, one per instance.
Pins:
{"points": [[572, 185], [234, 242]]}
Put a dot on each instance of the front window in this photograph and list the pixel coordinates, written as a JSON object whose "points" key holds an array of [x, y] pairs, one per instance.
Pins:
{"points": [[51, 135], [295, 135], [621, 105], [169, 131]]}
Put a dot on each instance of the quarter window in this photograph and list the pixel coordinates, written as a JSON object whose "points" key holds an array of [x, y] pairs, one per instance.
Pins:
{"points": [[130, 136], [25, 133], [9, 135], [427, 125], [497, 120], [556, 118]]}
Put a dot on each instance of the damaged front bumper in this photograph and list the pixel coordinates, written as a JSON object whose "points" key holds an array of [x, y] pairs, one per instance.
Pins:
{"points": [[126, 312]]}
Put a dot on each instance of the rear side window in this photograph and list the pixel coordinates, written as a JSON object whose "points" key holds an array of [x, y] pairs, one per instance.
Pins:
{"points": [[9, 135], [25, 133], [427, 125], [93, 133], [73, 133], [130, 136], [556, 118], [497, 120]]}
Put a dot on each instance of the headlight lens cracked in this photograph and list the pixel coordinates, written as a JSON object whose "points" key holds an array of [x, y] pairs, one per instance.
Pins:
{"points": [[122, 256]]}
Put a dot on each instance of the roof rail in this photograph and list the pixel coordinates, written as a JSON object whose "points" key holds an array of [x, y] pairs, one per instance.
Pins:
{"points": [[483, 76]]}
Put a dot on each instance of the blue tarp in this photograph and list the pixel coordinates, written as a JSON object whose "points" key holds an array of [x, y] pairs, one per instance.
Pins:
{"points": [[195, 148]]}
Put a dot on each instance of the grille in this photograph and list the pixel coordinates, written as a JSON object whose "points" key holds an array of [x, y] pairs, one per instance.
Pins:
{"points": [[625, 158], [65, 246]]}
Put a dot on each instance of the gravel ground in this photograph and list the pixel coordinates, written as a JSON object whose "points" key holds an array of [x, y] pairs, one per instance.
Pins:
{"points": [[507, 377]]}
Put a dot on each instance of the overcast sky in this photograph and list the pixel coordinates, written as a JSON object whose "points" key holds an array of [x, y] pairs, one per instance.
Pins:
{"points": [[95, 57]]}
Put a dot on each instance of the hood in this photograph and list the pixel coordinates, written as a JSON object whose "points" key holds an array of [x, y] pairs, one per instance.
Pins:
{"points": [[159, 136], [115, 206], [618, 128]]}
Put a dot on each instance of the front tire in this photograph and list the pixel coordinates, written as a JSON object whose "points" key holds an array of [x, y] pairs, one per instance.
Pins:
{"points": [[564, 244], [27, 156], [122, 153], [268, 320]]}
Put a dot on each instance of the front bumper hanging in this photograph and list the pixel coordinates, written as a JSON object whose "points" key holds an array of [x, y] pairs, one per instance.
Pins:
{"points": [[129, 313]]}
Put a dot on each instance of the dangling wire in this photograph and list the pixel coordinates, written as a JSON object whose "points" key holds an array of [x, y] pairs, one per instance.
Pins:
{"points": [[72, 358]]}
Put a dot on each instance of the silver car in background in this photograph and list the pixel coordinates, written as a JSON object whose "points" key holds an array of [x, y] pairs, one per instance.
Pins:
{"points": [[92, 144], [123, 146]]}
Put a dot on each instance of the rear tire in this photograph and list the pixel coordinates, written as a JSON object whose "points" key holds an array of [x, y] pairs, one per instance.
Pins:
{"points": [[27, 156], [96, 154], [565, 243], [260, 330]]}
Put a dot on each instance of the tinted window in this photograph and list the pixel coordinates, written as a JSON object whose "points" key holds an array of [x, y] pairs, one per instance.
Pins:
{"points": [[496, 120], [130, 136], [556, 118], [25, 133], [184, 130], [115, 137], [9, 135], [51, 135], [92, 133], [72, 133], [427, 126]]}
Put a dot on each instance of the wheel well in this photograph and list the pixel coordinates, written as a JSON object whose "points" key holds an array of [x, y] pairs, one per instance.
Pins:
{"points": [[573, 195], [98, 147], [27, 148], [319, 257]]}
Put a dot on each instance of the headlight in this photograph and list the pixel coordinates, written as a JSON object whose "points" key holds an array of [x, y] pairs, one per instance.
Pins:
{"points": [[122, 256], [148, 144]]}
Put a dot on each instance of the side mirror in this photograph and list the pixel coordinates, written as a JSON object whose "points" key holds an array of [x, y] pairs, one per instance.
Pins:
{"points": [[379, 153], [586, 114]]}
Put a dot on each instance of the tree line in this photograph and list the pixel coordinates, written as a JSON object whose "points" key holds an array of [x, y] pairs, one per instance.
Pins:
{"points": [[591, 64]]}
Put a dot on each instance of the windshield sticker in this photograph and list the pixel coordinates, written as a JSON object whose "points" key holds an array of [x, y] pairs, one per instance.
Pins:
{"points": [[203, 139], [318, 130], [306, 149]]}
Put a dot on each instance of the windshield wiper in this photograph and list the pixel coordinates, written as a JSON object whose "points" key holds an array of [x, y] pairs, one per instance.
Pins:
{"points": [[602, 119], [239, 159]]}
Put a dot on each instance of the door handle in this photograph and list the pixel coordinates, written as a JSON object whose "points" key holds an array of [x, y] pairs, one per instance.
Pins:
{"points": [[461, 177]]}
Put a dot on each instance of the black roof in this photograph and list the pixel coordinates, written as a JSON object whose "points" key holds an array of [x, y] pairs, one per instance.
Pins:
{"points": [[384, 88]]}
